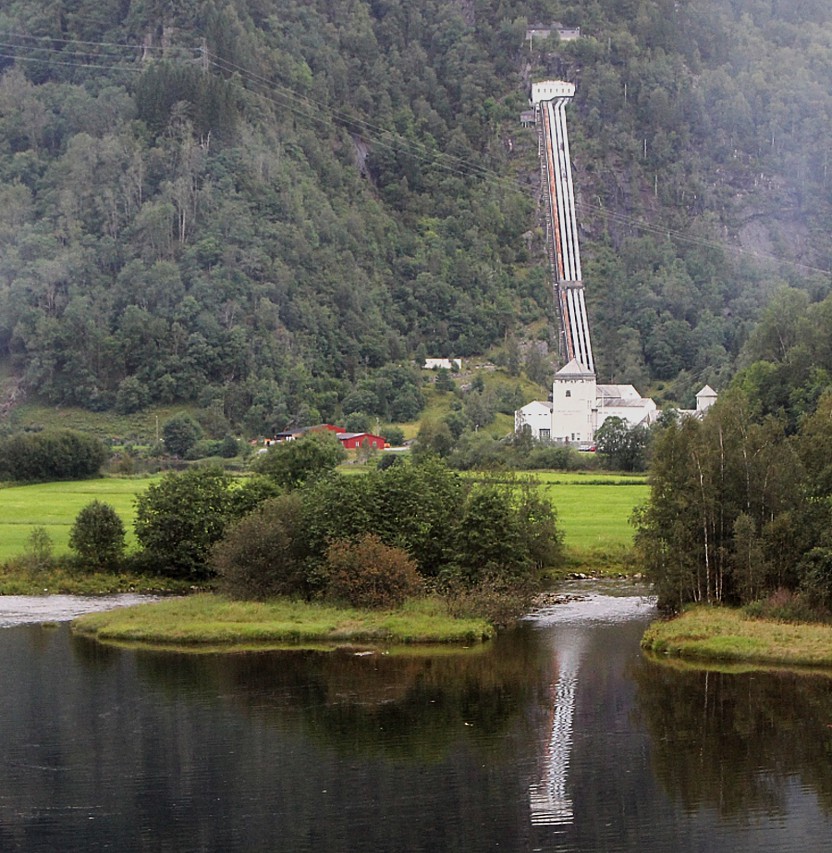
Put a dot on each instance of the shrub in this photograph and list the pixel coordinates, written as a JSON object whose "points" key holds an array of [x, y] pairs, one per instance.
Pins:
{"points": [[357, 422], [506, 530], [558, 457], [39, 548], [181, 433], [246, 496], [416, 507], [393, 435], [295, 462], [179, 518], [229, 447], [132, 396], [97, 536], [58, 455], [204, 448], [784, 605], [499, 600], [264, 554], [368, 573], [387, 461]]}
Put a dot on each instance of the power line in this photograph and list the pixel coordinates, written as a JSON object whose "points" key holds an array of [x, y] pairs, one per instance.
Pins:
{"points": [[488, 175], [75, 64], [315, 110], [420, 150], [54, 39]]}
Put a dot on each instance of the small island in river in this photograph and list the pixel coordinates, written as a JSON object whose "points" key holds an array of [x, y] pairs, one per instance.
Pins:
{"points": [[203, 620]]}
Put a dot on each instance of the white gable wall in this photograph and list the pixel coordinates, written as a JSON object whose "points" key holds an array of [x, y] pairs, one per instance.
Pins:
{"points": [[536, 417]]}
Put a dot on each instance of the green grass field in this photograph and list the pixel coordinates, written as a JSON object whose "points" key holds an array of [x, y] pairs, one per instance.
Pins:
{"points": [[54, 506], [593, 509]]}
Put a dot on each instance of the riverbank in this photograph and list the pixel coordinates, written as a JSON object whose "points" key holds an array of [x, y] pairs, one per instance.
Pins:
{"points": [[17, 578], [722, 634], [212, 620]]}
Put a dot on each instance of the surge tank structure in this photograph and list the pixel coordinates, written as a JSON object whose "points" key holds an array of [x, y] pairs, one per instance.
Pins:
{"points": [[549, 99]]}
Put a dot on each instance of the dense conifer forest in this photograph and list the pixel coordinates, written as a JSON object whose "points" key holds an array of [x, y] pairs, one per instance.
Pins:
{"points": [[272, 209]]}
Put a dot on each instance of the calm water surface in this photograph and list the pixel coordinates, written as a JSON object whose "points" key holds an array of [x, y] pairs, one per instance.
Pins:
{"points": [[558, 737]]}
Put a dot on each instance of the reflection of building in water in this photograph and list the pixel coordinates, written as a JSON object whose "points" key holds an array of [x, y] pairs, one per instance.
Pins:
{"points": [[549, 801]]}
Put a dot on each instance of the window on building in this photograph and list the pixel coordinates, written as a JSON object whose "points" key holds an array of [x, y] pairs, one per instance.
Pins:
{"points": [[545, 434], [568, 393]]}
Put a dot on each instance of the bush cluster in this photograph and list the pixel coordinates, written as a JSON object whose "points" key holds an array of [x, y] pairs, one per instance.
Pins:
{"points": [[368, 573], [264, 553], [54, 455], [97, 536], [371, 539]]}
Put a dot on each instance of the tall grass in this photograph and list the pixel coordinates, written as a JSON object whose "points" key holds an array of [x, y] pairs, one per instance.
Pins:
{"points": [[138, 428]]}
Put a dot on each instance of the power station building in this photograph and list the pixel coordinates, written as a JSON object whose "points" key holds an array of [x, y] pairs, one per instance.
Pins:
{"points": [[579, 405]]}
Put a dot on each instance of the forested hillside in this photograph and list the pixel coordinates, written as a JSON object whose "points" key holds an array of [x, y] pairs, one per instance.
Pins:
{"points": [[271, 208]]}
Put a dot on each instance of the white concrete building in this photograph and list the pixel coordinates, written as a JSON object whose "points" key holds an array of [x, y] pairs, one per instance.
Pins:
{"points": [[704, 400], [573, 404], [623, 401], [579, 406], [536, 419], [548, 90]]}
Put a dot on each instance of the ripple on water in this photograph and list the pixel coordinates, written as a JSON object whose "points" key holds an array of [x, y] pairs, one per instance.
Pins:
{"points": [[28, 609], [595, 607]]}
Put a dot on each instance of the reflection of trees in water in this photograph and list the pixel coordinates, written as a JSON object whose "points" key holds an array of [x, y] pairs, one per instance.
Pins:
{"points": [[92, 654], [731, 741], [400, 706]]}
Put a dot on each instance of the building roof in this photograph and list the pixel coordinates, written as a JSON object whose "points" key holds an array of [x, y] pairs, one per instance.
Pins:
{"points": [[624, 402], [623, 392], [574, 369], [347, 436], [547, 404]]}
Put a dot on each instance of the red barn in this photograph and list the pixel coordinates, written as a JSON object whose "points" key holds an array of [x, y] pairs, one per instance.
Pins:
{"points": [[292, 434], [357, 440]]}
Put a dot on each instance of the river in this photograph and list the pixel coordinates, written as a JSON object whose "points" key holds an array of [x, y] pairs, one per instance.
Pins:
{"points": [[558, 736]]}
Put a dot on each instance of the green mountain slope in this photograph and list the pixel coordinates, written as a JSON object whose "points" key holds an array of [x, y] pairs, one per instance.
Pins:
{"points": [[261, 206]]}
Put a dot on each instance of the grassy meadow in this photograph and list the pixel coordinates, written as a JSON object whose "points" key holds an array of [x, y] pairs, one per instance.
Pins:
{"points": [[725, 635], [140, 428], [54, 506], [593, 510]]}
